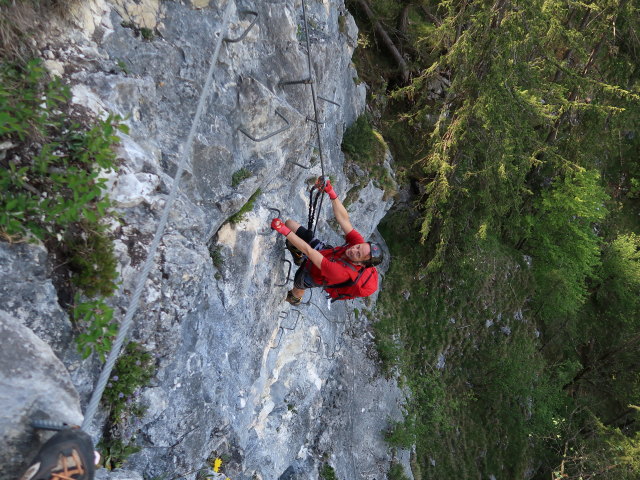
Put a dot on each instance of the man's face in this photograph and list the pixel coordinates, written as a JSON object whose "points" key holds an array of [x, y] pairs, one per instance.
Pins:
{"points": [[359, 253]]}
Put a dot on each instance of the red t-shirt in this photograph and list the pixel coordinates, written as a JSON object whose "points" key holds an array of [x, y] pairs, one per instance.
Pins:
{"points": [[332, 273]]}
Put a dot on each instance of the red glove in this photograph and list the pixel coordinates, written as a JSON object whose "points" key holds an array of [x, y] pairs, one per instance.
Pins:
{"points": [[280, 227], [327, 188]]}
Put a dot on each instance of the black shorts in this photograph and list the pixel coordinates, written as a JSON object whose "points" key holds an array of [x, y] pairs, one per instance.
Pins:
{"points": [[303, 278]]}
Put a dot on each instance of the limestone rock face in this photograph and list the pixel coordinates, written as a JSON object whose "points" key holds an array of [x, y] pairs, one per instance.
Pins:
{"points": [[34, 385], [277, 391]]}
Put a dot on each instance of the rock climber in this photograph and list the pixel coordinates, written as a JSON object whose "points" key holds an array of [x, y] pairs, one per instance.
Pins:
{"points": [[344, 272]]}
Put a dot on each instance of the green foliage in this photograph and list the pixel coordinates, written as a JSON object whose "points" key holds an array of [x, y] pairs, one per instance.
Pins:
{"points": [[115, 452], [123, 66], [327, 472], [365, 146], [93, 263], [134, 369], [95, 318], [147, 33], [59, 186], [247, 207], [525, 173], [563, 242], [396, 472], [144, 32], [52, 188], [240, 175], [215, 251], [362, 143], [618, 281]]}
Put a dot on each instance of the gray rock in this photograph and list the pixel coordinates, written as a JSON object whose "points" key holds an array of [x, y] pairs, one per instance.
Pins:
{"points": [[27, 293], [117, 474], [34, 385]]}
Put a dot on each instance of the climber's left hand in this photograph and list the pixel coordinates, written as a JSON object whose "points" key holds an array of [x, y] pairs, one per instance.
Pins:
{"points": [[280, 227]]}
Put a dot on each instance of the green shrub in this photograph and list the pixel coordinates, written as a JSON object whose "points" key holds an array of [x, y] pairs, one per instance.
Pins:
{"points": [[115, 452], [239, 175], [134, 369], [247, 207], [52, 171], [327, 472], [363, 144], [52, 186], [93, 263], [215, 251], [95, 319], [396, 472]]}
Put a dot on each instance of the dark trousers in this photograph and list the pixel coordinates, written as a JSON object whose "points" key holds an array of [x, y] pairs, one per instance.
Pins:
{"points": [[303, 278]]}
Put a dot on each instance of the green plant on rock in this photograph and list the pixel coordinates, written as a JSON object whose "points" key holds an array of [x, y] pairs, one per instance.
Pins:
{"points": [[363, 144], [115, 452], [134, 369], [247, 207], [366, 147], [396, 472], [239, 176], [327, 472], [215, 251], [147, 33], [95, 319], [93, 262], [51, 183]]}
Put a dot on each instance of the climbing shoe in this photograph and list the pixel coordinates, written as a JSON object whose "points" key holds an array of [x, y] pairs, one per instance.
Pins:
{"points": [[292, 299], [297, 255], [68, 455]]}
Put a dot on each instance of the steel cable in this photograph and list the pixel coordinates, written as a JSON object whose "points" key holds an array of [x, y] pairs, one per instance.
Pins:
{"points": [[315, 106], [135, 299]]}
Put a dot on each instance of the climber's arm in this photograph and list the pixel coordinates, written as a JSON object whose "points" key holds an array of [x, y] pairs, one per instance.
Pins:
{"points": [[338, 209], [313, 255]]}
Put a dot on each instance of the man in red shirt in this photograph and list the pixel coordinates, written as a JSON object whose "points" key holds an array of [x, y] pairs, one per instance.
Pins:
{"points": [[325, 266]]}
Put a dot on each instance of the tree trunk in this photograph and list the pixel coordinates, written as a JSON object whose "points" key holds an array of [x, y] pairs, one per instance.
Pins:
{"points": [[386, 40], [403, 21]]}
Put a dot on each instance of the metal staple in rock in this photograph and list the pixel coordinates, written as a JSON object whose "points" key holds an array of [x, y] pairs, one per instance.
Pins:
{"points": [[135, 299]]}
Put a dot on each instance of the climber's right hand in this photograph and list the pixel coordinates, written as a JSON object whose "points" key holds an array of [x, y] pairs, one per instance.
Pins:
{"points": [[280, 227], [328, 188]]}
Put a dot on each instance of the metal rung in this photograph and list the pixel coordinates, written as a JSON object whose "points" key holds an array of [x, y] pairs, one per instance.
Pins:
{"points": [[268, 231], [261, 139], [310, 290], [244, 34], [304, 81], [299, 165], [317, 343], [278, 338], [285, 314], [288, 275], [327, 100]]}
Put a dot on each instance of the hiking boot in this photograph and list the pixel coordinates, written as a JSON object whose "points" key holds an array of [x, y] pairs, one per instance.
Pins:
{"points": [[292, 299], [295, 253], [68, 455]]}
